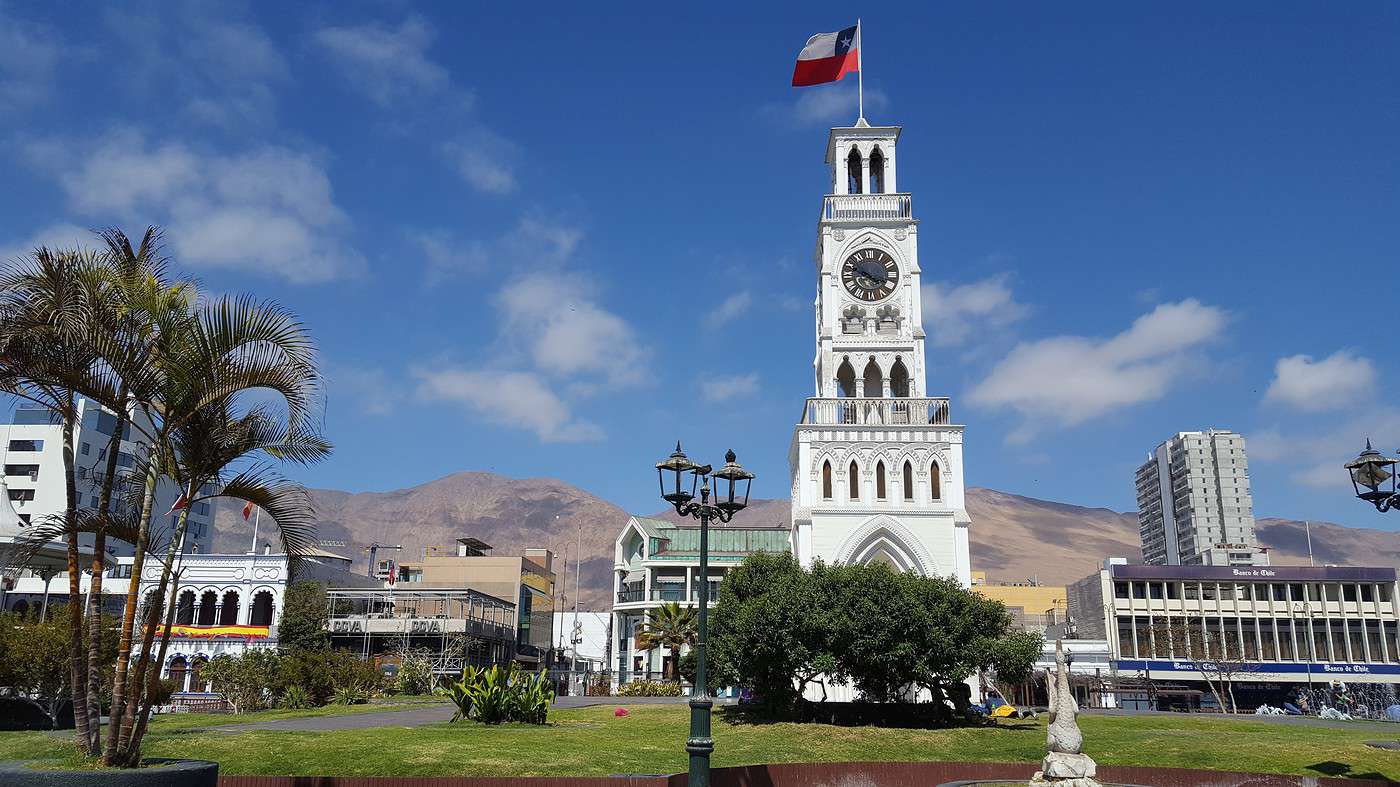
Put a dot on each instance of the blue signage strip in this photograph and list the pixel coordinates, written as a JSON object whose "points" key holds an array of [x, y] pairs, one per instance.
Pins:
{"points": [[1302, 668]]}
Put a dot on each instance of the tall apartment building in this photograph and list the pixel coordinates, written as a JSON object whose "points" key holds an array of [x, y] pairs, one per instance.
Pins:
{"points": [[33, 467], [1194, 505]]}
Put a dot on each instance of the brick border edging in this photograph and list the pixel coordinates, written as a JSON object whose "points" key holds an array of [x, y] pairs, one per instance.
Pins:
{"points": [[885, 774]]}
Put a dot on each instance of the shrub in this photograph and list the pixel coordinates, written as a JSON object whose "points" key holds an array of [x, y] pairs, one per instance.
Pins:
{"points": [[162, 690], [497, 694], [246, 681], [650, 688], [353, 694], [321, 672], [294, 698], [415, 675]]}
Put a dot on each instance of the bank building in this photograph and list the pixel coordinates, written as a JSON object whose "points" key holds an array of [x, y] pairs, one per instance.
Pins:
{"points": [[876, 463]]}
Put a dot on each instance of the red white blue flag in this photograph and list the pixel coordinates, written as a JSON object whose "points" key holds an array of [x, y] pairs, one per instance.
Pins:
{"points": [[827, 57]]}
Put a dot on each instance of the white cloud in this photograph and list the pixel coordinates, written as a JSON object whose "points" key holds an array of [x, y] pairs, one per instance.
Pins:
{"points": [[1067, 380], [833, 104], [388, 64], [1335, 382], [53, 236], [567, 332], [954, 313], [1314, 456], [728, 309], [369, 388], [267, 210], [508, 398], [29, 56], [735, 386], [484, 160]]}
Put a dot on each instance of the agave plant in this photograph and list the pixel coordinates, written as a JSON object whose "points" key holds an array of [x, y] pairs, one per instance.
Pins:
{"points": [[496, 694]]}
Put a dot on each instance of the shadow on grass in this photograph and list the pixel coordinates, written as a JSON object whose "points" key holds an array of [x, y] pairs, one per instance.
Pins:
{"points": [[1343, 770], [756, 716]]}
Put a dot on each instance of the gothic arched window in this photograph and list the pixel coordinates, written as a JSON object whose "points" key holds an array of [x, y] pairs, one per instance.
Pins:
{"points": [[880, 481], [846, 378], [899, 378], [877, 172], [228, 613], [854, 481], [262, 610], [934, 486], [826, 480], [853, 172], [184, 611], [874, 385], [908, 481], [207, 601]]}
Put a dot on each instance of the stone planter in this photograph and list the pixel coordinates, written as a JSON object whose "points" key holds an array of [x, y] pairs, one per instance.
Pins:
{"points": [[158, 773]]}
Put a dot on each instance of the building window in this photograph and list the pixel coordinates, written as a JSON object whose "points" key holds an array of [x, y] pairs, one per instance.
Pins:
{"points": [[207, 603], [826, 480], [26, 445], [853, 172], [1120, 589], [262, 610], [23, 470], [87, 448], [877, 172], [184, 611], [935, 482], [908, 481], [21, 495], [228, 611], [854, 481], [880, 481]]}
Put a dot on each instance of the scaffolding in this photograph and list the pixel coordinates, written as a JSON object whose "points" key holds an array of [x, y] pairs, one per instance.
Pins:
{"points": [[454, 626]]}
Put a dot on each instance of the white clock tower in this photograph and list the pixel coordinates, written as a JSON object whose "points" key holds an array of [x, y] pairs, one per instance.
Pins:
{"points": [[877, 471]]}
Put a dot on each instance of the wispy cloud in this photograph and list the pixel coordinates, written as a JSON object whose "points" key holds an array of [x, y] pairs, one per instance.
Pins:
{"points": [[386, 63], [729, 309], [484, 159], [29, 57], [54, 236], [508, 398], [267, 210], [1068, 380], [824, 105], [955, 313], [1336, 382], [734, 386], [1314, 454]]}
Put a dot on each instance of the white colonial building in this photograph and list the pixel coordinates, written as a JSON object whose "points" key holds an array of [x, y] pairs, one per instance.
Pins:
{"points": [[877, 471]]}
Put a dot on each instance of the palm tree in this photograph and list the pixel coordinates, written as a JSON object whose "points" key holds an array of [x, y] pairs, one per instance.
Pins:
{"points": [[671, 626]]}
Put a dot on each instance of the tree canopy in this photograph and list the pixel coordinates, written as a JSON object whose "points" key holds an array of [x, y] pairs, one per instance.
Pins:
{"points": [[779, 628]]}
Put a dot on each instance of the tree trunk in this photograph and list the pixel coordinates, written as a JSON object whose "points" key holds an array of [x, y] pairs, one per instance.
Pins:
{"points": [[121, 686], [168, 576], [99, 546], [77, 655]]}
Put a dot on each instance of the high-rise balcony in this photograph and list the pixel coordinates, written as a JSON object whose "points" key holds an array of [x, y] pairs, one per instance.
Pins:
{"points": [[866, 207], [857, 411]]}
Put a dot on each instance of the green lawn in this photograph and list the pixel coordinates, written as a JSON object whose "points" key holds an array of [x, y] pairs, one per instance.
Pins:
{"points": [[590, 741]]}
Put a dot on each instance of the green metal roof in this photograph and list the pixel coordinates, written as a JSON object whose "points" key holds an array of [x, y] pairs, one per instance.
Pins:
{"points": [[740, 540]]}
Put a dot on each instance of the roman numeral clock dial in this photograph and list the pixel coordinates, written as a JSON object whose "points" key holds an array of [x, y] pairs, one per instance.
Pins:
{"points": [[869, 274]]}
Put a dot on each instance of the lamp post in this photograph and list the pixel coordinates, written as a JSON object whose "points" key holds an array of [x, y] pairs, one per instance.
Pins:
{"points": [[729, 501], [1369, 472]]}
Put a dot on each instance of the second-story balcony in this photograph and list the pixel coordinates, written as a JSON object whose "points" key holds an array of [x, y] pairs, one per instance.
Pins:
{"points": [[866, 207], [876, 412]]}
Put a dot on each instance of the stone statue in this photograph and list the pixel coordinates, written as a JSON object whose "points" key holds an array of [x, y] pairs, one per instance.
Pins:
{"points": [[1065, 765]]}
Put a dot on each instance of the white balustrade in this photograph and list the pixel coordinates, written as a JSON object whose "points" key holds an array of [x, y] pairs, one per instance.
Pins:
{"points": [[866, 207], [876, 412]]}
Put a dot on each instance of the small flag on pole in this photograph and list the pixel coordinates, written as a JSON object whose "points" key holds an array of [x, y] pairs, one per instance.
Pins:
{"points": [[247, 511], [827, 57], [179, 504]]}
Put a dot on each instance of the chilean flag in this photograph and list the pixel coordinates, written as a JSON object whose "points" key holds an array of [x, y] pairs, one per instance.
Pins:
{"points": [[827, 57]]}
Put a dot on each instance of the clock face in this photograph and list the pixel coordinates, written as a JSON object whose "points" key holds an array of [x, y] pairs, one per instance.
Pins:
{"points": [[870, 274]]}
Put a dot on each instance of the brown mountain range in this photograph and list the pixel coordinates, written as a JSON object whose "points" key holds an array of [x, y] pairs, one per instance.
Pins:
{"points": [[1013, 537]]}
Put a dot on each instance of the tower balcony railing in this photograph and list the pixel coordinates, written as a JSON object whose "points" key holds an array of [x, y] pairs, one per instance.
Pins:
{"points": [[856, 411], [866, 207]]}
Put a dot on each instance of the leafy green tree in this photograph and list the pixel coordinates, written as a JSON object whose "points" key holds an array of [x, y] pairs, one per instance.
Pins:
{"points": [[671, 626], [1012, 659], [770, 632], [304, 618], [247, 681]]}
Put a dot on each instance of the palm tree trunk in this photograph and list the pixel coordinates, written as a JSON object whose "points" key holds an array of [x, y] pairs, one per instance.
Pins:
{"points": [[168, 575], [99, 546], [77, 656], [121, 686]]}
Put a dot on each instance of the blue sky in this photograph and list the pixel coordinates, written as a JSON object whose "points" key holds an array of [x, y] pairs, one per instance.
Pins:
{"points": [[549, 245]]}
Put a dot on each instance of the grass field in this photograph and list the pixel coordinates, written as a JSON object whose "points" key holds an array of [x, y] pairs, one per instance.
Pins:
{"points": [[590, 741]]}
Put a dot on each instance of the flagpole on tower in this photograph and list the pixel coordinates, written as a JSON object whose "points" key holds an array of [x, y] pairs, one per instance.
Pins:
{"points": [[860, 71]]}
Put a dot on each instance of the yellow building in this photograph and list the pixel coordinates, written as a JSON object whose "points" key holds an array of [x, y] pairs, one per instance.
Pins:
{"points": [[1033, 605]]}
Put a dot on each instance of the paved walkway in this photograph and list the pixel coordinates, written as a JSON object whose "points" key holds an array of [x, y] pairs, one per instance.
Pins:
{"points": [[432, 713]]}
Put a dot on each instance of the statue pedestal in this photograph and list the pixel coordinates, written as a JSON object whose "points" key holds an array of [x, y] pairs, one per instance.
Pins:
{"points": [[1066, 770]]}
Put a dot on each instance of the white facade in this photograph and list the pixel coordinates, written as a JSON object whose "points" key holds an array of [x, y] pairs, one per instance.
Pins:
{"points": [[33, 454], [1194, 504], [876, 464], [583, 637]]}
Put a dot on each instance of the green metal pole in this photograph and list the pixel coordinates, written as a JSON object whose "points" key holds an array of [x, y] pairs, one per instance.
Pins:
{"points": [[700, 743]]}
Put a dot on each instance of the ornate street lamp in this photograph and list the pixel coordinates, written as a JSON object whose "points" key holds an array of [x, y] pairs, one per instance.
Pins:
{"points": [[1369, 472], [730, 499]]}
